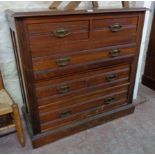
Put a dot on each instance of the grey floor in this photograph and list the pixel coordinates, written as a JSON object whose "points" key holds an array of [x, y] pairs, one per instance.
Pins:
{"points": [[132, 134]]}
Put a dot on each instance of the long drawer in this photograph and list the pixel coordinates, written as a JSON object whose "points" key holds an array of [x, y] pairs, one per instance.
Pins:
{"points": [[60, 61], [66, 86], [107, 100]]}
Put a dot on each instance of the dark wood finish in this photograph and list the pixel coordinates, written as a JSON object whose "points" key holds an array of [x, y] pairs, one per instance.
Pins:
{"points": [[70, 66], [55, 62], [1, 82], [149, 74]]}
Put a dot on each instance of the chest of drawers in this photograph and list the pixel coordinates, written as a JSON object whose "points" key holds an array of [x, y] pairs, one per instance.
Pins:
{"points": [[76, 69]]}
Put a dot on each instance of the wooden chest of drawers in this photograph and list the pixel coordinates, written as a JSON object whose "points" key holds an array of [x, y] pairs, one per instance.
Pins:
{"points": [[76, 69]]}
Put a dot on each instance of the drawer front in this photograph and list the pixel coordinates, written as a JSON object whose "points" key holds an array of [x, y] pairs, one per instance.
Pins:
{"points": [[106, 101], [66, 65], [45, 63], [72, 36], [42, 46], [60, 31], [114, 27], [103, 76], [56, 35]]}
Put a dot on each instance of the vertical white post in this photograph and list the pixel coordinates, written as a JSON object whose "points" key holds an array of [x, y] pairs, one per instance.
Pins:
{"points": [[144, 44]]}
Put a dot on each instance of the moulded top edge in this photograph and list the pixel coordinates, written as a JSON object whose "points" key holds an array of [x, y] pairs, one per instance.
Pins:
{"points": [[48, 12]]}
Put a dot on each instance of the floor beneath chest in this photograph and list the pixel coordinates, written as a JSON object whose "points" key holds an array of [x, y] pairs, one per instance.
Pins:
{"points": [[132, 134]]}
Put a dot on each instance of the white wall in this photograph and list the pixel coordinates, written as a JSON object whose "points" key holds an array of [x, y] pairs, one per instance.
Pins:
{"points": [[7, 62]]}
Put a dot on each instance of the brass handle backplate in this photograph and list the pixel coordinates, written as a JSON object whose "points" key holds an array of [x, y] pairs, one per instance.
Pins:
{"points": [[61, 33], [63, 89], [115, 27], [115, 52], [65, 113], [111, 77], [109, 100], [63, 61]]}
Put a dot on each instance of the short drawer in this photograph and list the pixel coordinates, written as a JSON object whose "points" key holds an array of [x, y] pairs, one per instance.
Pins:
{"points": [[112, 28], [57, 34], [49, 67], [107, 101], [86, 80]]}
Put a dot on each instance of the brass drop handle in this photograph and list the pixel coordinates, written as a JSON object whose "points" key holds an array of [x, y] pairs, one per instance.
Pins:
{"points": [[65, 113], [111, 77], [115, 27], [109, 100], [115, 53], [61, 33], [63, 89], [61, 62]]}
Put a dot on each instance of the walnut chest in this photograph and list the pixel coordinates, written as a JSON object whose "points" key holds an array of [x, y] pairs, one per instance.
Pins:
{"points": [[76, 69]]}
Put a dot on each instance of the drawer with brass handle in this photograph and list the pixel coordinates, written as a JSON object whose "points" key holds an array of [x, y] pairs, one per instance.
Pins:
{"points": [[48, 36], [115, 22], [115, 31]]}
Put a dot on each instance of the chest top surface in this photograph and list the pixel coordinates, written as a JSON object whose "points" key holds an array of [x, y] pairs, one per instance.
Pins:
{"points": [[47, 12]]}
